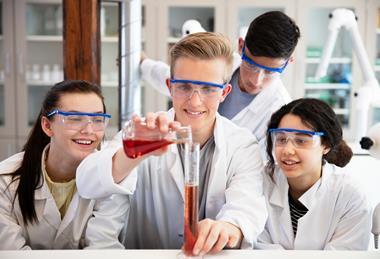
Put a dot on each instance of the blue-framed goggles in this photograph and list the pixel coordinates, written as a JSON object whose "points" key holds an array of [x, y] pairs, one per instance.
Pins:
{"points": [[245, 58], [195, 82], [303, 139], [79, 120]]}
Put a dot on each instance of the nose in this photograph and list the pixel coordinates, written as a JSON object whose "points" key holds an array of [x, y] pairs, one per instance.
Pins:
{"points": [[195, 98], [289, 147], [256, 78], [88, 128]]}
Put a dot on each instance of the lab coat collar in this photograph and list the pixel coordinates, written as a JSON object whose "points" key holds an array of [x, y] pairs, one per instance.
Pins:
{"points": [[174, 161], [280, 193]]}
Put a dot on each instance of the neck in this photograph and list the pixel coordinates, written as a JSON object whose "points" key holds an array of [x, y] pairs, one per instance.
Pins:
{"points": [[58, 168], [203, 135], [299, 185]]}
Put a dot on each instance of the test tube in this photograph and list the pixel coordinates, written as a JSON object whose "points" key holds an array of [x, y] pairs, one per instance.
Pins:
{"points": [[191, 197]]}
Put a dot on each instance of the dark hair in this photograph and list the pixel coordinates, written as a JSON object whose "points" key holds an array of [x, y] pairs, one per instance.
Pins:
{"points": [[29, 173], [272, 34], [319, 116]]}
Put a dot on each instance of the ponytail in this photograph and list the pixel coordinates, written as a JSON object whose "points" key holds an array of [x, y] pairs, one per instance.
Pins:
{"points": [[340, 155]]}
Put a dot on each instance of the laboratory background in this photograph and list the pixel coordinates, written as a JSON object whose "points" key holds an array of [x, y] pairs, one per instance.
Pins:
{"points": [[31, 60]]}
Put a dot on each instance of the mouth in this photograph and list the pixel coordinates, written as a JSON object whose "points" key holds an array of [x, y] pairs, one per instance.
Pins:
{"points": [[83, 142], [289, 163], [194, 113]]}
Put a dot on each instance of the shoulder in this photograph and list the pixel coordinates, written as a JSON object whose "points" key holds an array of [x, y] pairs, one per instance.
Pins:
{"points": [[11, 164], [232, 132], [345, 186], [7, 167]]}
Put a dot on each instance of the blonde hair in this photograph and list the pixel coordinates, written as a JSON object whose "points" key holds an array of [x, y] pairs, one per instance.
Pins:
{"points": [[204, 46]]}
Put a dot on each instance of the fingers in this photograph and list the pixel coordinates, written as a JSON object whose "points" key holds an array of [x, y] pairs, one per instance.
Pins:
{"points": [[213, 236]]}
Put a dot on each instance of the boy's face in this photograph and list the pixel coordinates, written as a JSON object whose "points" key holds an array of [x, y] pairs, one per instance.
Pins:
{"points": [[198, 107], [253, 79]]}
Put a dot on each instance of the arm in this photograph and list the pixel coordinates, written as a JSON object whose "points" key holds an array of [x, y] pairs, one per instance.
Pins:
{"points": [[110, 171], [94, 175], [104, 227], [155, 74], [11, 233], [353, 229]]}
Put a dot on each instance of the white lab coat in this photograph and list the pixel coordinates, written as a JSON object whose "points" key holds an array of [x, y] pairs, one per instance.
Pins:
{"points": [[234, 191], [338, 217], [52, 232]]}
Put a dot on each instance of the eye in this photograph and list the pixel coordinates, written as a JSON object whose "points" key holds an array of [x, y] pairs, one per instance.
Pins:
{"points": [[268, 72], [208, 89], [99, 119], [74, 118], [184, 87], [281, 139]]}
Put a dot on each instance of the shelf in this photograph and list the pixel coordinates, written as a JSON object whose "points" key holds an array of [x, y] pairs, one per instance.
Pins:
{"points": [[48, 38], [173, 39], [109, 84], [341, 111], [342, 60], [327, 86], [110, 39], [40, 83]]}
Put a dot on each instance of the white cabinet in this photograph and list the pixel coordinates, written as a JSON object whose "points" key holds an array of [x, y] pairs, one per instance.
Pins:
{"points": [[31, 58], [373, 46]]}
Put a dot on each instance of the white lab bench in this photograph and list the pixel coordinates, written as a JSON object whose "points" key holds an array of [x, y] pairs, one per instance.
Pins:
{"points": [[168, 254]]}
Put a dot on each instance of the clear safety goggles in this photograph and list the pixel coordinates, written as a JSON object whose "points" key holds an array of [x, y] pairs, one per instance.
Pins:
{"points": [[302, 139], [79, 120], [254, 67], [185, 88]]}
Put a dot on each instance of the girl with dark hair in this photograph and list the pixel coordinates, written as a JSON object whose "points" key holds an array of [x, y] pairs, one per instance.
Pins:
{"points": [[312, 204], [39, 204]]}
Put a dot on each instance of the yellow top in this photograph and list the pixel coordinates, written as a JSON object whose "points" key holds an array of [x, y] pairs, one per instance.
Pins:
{"points": [[61, 192]]}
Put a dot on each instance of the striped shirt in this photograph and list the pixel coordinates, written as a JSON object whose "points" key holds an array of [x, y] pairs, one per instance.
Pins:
{"points": [[297, 211]]}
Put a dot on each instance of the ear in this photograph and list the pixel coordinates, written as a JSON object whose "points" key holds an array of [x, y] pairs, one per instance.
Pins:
{"points": [[227, 89], [46, 126], [326, 150], [240, 45], [167, 81], [291, 59]]}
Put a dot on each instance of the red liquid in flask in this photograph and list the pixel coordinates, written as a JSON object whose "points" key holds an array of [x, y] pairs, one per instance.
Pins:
{"points": [[191, 218], [135, 148]]}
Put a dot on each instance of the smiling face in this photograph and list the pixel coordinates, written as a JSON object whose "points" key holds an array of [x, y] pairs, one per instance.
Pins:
{"points": [[74, 145], [195, 111], [299, 165]]}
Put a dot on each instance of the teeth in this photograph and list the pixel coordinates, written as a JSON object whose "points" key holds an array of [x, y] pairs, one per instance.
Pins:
{"points": [[289, 162], [83, 142], [194, 113]]}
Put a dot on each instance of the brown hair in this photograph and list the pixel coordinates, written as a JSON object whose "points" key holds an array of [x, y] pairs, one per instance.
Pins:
{"points": [[205, 46]]}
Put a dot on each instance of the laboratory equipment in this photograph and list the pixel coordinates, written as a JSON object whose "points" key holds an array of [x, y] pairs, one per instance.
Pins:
{"points": [[191, 26], [191, 165], [371, 142], [139, 140], [369, 93]]}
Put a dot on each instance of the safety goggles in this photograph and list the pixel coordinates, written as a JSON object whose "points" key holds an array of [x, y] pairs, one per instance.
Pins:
{"points": [[79, 120], [254, 67], [186, 88], [302, 139]]}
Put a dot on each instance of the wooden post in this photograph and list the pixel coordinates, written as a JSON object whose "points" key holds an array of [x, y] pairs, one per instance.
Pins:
{"points": [[81, 40]]}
